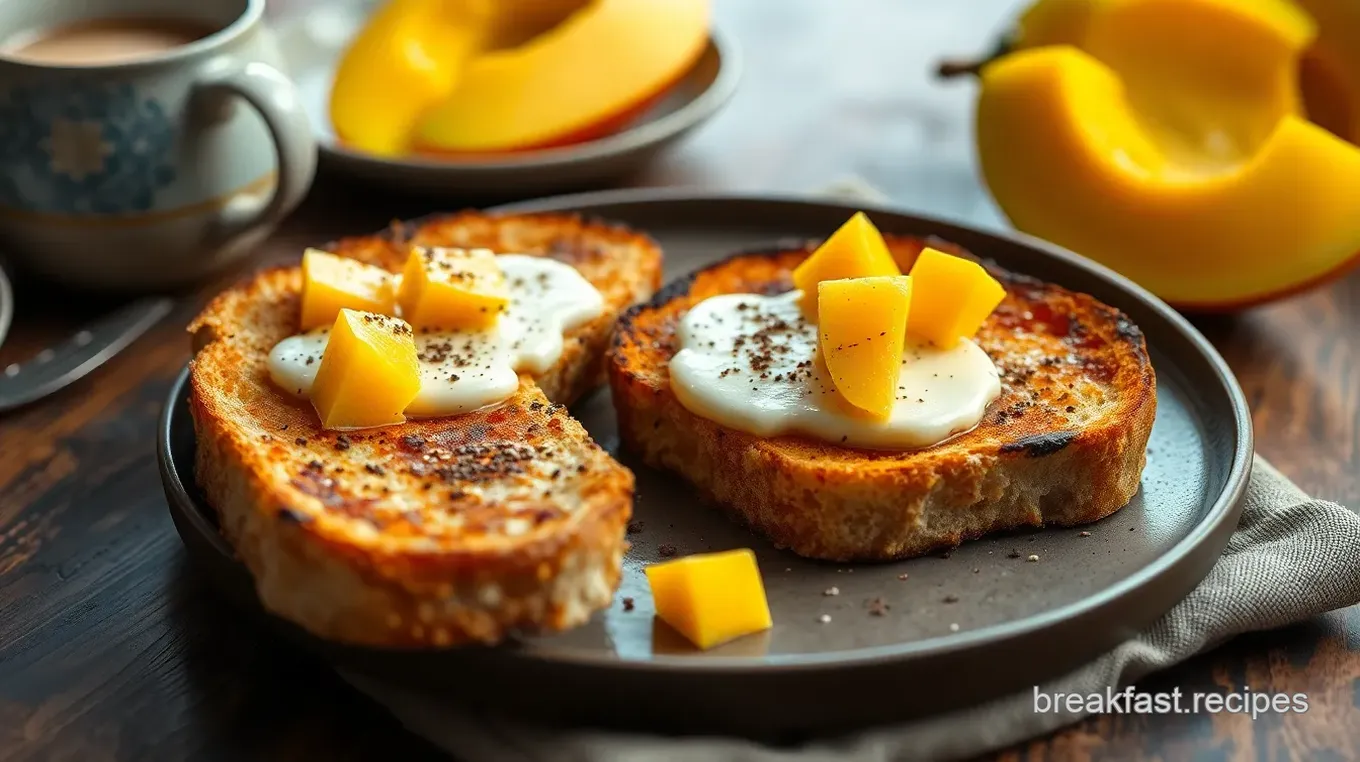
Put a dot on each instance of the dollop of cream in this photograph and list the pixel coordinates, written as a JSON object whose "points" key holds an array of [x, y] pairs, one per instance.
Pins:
{"points": [[751, 363], [461, 371]]}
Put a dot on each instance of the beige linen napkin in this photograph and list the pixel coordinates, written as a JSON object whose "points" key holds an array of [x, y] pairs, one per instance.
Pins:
{"points": [[1292, 557]]}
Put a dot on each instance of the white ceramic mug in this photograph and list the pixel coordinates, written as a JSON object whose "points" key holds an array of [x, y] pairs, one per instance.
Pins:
{"points": [[153, 172]]}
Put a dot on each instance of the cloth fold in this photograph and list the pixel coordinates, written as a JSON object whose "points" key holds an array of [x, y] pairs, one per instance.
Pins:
{"points": [[1291, 558]]}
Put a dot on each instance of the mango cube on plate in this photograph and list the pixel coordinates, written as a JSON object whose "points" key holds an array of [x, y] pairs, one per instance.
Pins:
{"points": [[369, 372], [454, 289], [331, 283], [711, 598], [951, 298], [855, 250], [862, 323]]}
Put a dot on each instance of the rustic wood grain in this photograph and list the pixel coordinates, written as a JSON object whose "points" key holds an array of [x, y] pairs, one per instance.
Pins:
{"points": [[111, 647]]}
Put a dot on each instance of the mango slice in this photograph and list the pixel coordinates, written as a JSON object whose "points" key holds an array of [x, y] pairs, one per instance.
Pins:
{"points": [[1069, 160], [711, 598], [406, 58], [331, 283], [369, 372], [951, 299], [863, 327], [538, 84], [855, 250], [453, 289]]}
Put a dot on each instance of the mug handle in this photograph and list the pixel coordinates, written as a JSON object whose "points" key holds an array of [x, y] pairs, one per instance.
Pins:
{"points": [[276, 99]]}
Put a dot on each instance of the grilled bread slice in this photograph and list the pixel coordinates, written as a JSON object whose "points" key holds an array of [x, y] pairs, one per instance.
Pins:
{"points": [[435, 532], [1064, 443]]}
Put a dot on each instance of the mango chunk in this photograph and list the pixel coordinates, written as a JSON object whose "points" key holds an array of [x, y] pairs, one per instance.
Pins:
{"points": [[331, 283], [711, 598], [855, 250], [368, 374], [455, 289], [951, 299], [863, 327]]}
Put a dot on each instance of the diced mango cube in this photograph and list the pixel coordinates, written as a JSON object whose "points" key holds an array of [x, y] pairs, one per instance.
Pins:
{"points": [[368, 374], [855, 250], [863, 327], [455, 289], [951, 298], [711, 598], [331, 284]]}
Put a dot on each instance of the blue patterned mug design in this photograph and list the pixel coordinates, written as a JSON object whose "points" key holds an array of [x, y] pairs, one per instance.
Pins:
{"points": [[84, 149]]}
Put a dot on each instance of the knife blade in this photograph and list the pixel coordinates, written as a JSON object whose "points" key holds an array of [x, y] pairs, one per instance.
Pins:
{"points": [[56, 367]]}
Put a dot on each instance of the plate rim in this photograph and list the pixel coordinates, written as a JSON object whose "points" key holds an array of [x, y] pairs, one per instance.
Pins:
{"points": [[694, 112], [1224, 510], [6, 302]]}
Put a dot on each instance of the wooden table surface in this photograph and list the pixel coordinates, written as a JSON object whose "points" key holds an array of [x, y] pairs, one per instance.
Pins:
{"points": [[111, 647]]}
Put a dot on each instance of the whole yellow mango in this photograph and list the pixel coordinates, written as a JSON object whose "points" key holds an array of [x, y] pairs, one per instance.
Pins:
{"points": [[1169, 140]]}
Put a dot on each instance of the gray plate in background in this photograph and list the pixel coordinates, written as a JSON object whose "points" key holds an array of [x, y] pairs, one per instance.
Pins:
{"points": [[313, 43]]}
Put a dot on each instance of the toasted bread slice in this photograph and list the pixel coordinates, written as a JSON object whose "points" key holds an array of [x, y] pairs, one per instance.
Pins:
{"points": [[435, 532], [1064, 443]]}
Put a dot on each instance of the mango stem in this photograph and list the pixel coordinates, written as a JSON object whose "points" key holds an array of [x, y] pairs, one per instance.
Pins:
{"points": [[951, 68]]}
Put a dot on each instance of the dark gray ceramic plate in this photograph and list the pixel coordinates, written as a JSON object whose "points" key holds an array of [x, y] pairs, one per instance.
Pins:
{"points": [[312, 44], [1014, 622]]}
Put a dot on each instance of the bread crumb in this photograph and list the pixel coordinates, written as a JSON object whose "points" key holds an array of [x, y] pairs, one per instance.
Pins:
{"points": [[824, 618], [1032, 557], [1084, 534], [954, 627], [902, 576], [833, 590]]}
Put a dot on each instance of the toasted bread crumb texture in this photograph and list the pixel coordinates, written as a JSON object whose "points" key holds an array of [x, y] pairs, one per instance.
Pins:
{"points": [[434, 532], [1064, 443]]}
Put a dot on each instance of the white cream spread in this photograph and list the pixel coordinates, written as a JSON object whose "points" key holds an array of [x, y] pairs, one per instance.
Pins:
{"points": [[751, 363], [461, 371]]}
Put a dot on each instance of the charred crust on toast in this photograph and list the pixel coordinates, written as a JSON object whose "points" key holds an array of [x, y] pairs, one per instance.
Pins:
{"points": [[1039, 445], [1128, 329], [293, 516]]}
